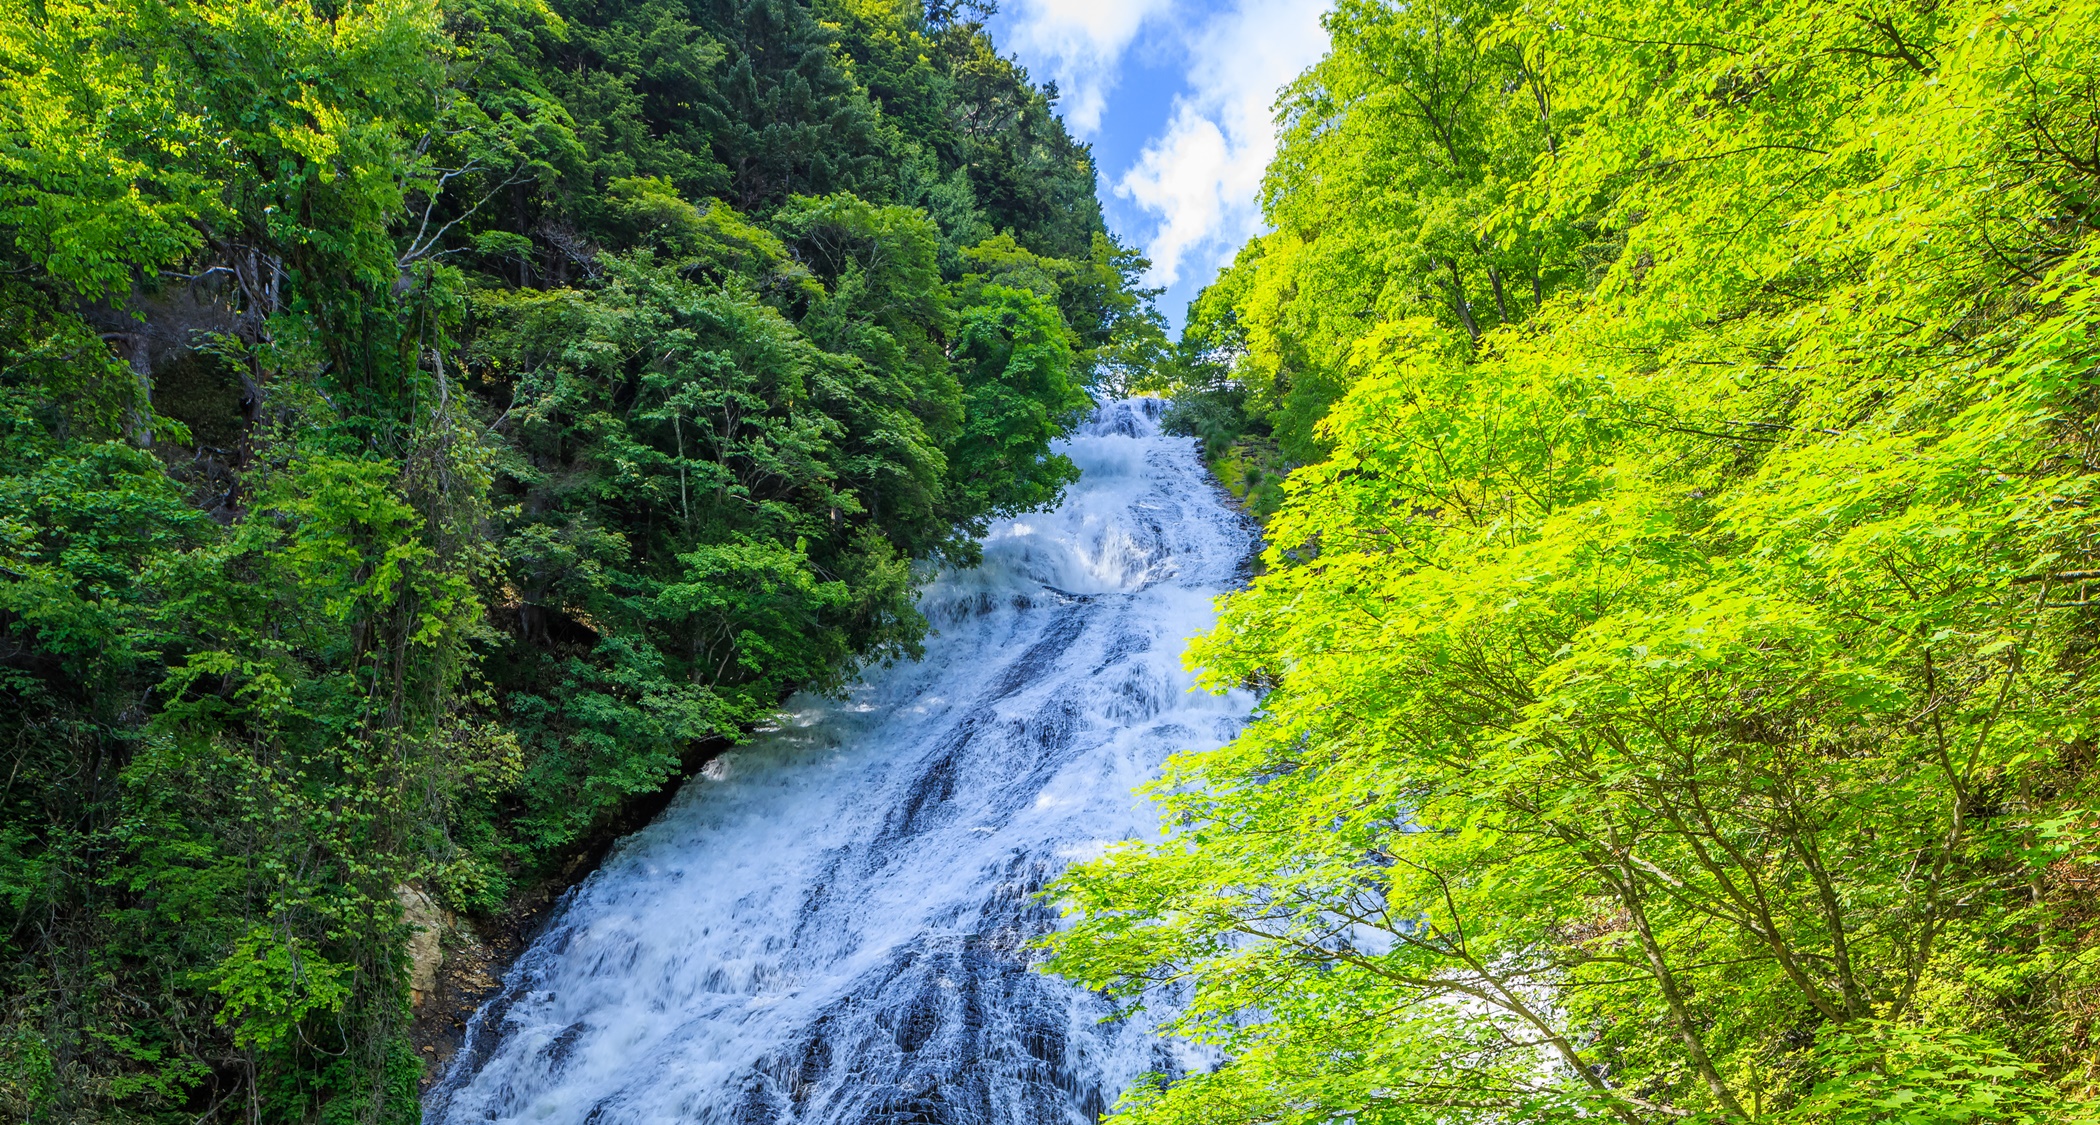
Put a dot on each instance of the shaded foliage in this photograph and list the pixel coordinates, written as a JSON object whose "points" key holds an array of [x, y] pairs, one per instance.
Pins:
{"points": [[429, 425]]}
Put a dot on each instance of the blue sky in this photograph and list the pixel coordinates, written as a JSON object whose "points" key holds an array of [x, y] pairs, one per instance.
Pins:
{"points": [[1175, 97]]}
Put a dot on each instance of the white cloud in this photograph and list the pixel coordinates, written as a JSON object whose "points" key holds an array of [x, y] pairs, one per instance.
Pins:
{"points": [[1195, 183], [1200, 177], [1083, 42]]}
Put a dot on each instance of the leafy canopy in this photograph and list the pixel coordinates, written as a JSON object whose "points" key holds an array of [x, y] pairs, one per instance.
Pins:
{"points": [[1676, 641]]}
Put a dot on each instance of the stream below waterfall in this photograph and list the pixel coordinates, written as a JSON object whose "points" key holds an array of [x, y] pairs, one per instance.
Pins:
{"points": [[831, 924]]}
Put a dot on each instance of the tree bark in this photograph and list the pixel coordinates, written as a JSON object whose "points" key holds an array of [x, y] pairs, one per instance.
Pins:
{"points": [[1458, 301]]}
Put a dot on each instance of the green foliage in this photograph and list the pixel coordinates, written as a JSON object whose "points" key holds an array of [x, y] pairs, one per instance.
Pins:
{"points": [[1883, 1072], [425, 427], [269, 987], [1676, 667], [1018, 391]]}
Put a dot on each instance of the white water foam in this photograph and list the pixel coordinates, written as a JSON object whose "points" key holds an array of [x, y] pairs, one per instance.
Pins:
{"points": [[832, 923]]}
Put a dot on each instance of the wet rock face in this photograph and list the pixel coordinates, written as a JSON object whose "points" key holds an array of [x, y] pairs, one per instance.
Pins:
{"points": [[834, 924], [948, 1031]]}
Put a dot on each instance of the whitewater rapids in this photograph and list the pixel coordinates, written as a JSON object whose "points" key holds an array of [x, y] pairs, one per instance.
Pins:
{"points": [[831, 924]]}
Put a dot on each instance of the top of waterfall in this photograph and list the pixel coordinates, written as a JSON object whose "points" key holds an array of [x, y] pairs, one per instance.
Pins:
{"points": [[1137, 416]]}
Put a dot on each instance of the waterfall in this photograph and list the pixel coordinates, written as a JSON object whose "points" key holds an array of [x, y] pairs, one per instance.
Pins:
{"points": [[832, 922]]}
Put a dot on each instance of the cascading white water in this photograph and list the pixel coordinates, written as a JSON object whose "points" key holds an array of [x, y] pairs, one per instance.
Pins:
{"points": [[832, 923]]}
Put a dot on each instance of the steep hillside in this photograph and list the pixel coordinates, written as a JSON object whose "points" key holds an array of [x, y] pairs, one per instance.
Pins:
{"points": [[1679, 620], [426, 424]]}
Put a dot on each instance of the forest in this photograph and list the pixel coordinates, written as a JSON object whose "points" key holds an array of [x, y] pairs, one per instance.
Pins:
{"points": [[428, 427], [1675, 428]]}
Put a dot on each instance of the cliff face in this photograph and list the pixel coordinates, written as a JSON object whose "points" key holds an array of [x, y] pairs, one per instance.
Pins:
{"points": [[429, 428]]}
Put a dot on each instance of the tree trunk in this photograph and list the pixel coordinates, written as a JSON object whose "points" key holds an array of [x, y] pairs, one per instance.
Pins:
{"points": [[1458, 301]]}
